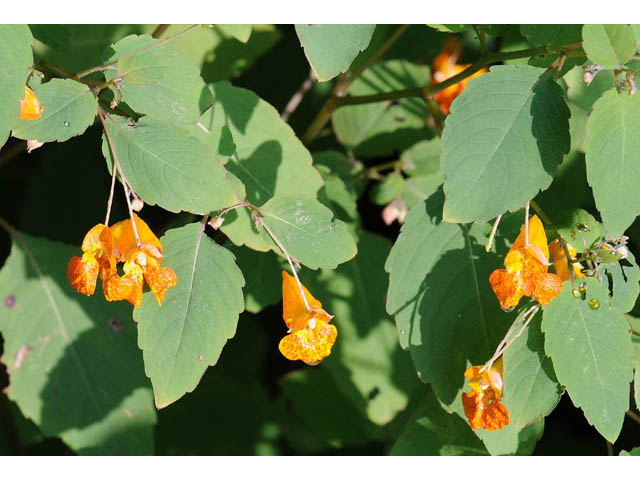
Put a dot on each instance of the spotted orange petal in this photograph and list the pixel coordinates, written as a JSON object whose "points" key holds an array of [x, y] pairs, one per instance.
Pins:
{"points": [[560, 262], [126, 287], [30, 108], [484, 411], [505, 286], [311, 345], [537, 237], [83, 273], [124, 237], [547, 287], [292, 303], [160, 280]]}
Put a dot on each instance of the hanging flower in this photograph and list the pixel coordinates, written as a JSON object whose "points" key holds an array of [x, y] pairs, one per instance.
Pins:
{"points": [[444, 66], [104, 246], [311, 337], [30, 108], [526, 273], [98, 257], [141, 262], [482, 406], [560, 260]]}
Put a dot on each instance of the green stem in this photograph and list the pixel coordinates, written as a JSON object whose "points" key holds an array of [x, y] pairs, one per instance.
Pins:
{"points": [[543, 216], [159, 31], [483, 40], [333, 103]]}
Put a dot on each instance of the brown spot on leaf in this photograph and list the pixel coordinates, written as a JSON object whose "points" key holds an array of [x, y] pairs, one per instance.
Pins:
{"points": [[115, 324], [10, 301], [23, 352]]}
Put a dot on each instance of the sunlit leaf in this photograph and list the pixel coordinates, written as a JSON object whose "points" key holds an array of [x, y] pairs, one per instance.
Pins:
{"points": [[502, 143], [74, 366], [578, 228], [240, 31], [591, 353], [306, 229], [15, 57], [624, 282], [167, 166], [186, 335], [69, 109], [179, 96], [330, 49], [612, 149], [609, 45]]}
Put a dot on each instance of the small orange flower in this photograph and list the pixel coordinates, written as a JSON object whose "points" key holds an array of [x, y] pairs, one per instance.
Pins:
{"points": [[526, 273], [311, 337], [140, 262], [444, 67], [30, 108], [97, 257], [560, 260], [104, 246], [482, 406]]}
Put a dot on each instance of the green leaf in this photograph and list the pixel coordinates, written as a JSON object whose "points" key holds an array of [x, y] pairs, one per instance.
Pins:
{"points": [[269, 159], [512, 440], [15, 57], [305, 228], [69, 109], [431, 430], [73, 364], [531, 389], [55, 36], [502, 142], [330, 49], [578, 228], [186, 335], [419, 188], [167, 166], [342, 202], [142, 67], [609, 45], [636, 387], [262, 274], [446, 312], [387, 190], [624, 282], [591, 352], [177, 97], [355, 294], [382, 128], [612, 149], [242, 31], [319, 424]]}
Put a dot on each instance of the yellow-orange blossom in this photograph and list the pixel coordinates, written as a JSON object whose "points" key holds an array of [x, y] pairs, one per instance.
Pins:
{"points": [[104, 246], [311, 336]]}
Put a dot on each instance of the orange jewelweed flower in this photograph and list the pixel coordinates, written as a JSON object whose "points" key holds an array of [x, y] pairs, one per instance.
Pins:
{"points": [[97, 257], [141, 262], [444, 66], [482, 406], [30, 108], [560, 260], [526, 273], [311, 337]]}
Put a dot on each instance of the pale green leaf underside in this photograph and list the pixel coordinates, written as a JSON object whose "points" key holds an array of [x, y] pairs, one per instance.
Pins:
{"points": [[512, 440], [15, 57], [142, 67], [330, 49], [591, 352], [355, 292], [612, 149], [609, 45], [269, 158], [308, 232], [74, 365], [446, 313], [179, 96], [186, 335], [431, 430], [531, 389], [167, 166], [502, 142], [69, 108]]}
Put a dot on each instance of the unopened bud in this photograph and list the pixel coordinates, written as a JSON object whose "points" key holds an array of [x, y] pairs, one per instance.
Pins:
{"points": [[216, 222], [137, 204], [33, 144]]}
